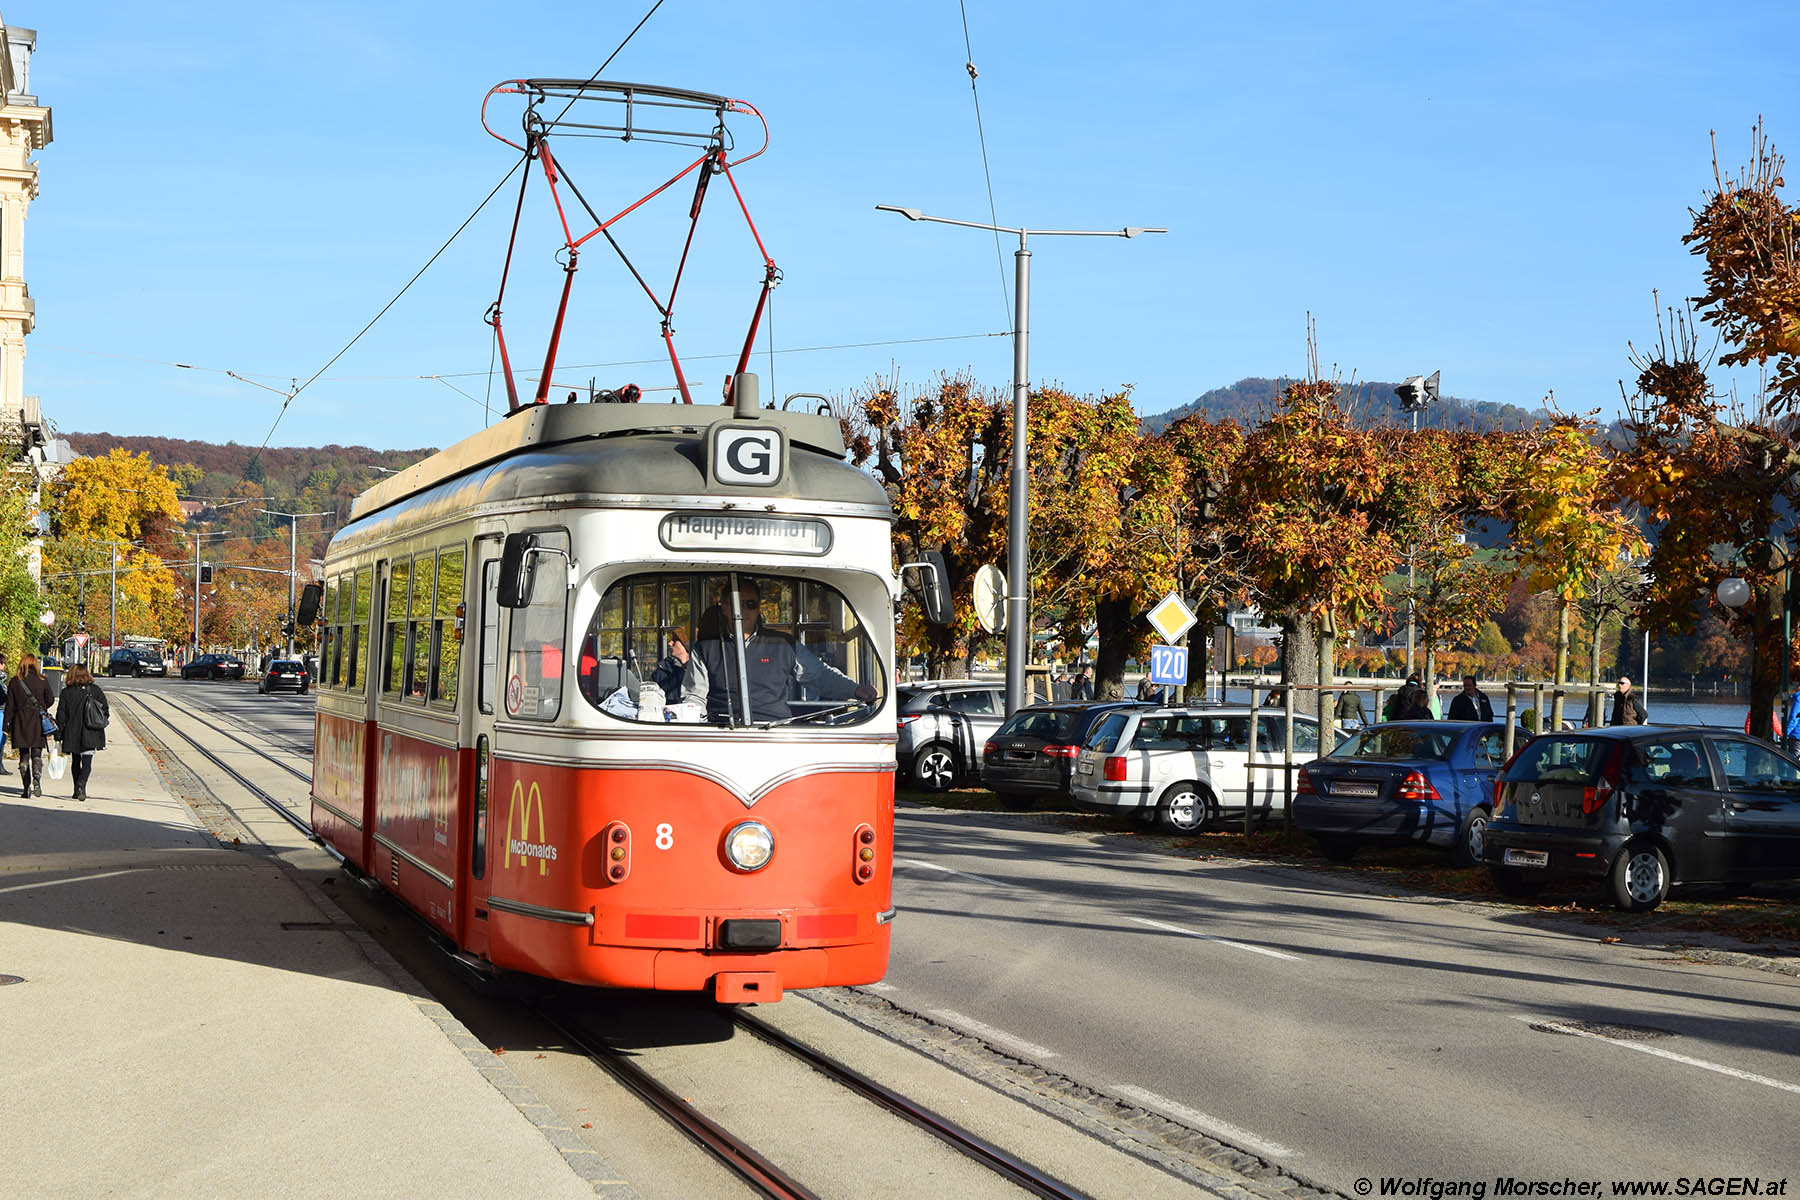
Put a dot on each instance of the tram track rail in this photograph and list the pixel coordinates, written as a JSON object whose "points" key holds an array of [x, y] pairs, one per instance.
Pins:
{"points": [[757, 1171], [268, 799]]}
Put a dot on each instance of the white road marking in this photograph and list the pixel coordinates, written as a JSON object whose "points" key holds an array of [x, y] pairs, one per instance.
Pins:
{"points": [[1746, 1076], [988, 1033], [1208, 937], [930, 866], [1243, 1139], [26, 887]]}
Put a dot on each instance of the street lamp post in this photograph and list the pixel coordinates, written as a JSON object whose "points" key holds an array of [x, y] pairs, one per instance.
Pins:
{"points": [[293, 548], [1415, 393], [1018, 614]]}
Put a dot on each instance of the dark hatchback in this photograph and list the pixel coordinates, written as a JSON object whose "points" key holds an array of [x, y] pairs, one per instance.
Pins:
{"points": [[127, 661], [1404, 781], [1640, 808], [214, 666], [285, 674], [1033, 754]]}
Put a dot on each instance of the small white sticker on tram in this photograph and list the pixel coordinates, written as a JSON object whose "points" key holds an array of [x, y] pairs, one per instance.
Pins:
{"points": [[988, 1033], [1208, 937], [931, 866], [1659, 1052], [1243, 1139]]}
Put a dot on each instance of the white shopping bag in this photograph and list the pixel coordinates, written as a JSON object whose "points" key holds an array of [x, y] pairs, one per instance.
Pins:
{"points": [[57, 765]]}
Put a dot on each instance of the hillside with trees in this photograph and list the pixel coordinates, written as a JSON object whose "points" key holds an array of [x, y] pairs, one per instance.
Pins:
{"points": [[1253, 400]]}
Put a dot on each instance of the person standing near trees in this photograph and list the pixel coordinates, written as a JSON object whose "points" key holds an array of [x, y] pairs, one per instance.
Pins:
{"points": [[1627, 708], [27, 710], [81, 717], [1470, 704]]}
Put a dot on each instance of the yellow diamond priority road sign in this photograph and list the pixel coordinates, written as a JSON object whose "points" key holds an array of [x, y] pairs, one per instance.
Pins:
{"points": [[1171, 617]]}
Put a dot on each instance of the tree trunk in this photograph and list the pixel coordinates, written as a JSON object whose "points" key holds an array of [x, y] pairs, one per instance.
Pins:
{"points": [[1561, 674], [1115, 620], [1327, 674], [1594, 673], [1299, 650]]}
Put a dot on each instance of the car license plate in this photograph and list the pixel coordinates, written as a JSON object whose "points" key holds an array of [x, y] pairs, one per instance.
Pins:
{"points": [[1087, 768], [1355, 789], [1526, 858]]}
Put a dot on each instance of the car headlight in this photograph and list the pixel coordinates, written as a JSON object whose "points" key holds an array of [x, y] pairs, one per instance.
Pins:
{"points": [[749, 846]]}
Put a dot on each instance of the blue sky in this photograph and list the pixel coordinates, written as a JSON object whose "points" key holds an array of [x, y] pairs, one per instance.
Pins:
{"points": [[1489, 190]]}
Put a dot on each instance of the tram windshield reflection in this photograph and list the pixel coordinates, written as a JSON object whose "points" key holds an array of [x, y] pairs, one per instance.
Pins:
{"points": [[709, 648]]}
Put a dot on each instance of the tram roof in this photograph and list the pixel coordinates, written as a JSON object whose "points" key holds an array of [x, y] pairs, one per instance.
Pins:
{"points": [[622, 449]]}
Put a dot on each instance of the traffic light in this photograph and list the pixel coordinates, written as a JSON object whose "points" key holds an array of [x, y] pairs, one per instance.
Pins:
{"points": [[1417, 392], [205, 572]]}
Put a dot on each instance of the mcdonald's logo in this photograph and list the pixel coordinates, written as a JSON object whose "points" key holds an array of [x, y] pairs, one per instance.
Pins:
{"points": [[521, 806]]}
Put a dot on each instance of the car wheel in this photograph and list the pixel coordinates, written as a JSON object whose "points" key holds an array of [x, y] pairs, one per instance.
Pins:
{"points": [[934, 768], [1639, 877], [1472, 837], [1515, 884], [1338, 850], [1186, 808]]}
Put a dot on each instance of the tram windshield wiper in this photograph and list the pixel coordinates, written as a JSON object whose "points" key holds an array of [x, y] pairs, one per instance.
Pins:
{"points": [[822, 712]]}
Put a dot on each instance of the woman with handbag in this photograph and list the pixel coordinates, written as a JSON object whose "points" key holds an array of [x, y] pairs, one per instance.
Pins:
{"points": [[81, 714], [28, 722]]}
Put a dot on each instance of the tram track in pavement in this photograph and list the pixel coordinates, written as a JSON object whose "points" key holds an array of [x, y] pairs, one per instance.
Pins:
{"points": [[756, 1170], [280, 807]]}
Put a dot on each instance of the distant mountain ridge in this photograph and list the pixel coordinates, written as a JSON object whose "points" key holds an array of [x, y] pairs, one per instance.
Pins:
{"points": [[1250, 401]]}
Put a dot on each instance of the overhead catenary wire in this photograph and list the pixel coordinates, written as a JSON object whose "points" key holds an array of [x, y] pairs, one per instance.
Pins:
{"points": [[285, 404], [986, 173]]}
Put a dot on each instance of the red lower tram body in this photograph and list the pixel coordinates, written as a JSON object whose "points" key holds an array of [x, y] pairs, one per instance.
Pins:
{"points": [[615, 873]]}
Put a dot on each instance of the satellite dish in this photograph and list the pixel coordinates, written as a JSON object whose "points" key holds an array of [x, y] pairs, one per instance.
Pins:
{"points": [[990, 598]]}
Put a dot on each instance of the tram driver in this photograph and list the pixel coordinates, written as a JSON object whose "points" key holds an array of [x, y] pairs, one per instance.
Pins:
{"points": [[776, 665]]}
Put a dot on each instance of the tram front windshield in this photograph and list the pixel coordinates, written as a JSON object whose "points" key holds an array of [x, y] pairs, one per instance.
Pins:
{"points": [[730, 649]]}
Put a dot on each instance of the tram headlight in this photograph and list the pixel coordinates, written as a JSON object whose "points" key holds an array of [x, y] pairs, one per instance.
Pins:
{"points": [[749, 846]]}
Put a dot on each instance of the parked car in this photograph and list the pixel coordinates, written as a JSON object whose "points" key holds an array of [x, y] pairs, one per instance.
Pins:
{"points": [[1640, 808], [214, 666], [1406, 781], [1032, 755], [1187, 767], [285, 674], [944, 723], [127, 660]]}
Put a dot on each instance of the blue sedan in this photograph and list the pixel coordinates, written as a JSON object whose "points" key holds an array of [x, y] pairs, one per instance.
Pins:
{"points": [[1404, 781]]}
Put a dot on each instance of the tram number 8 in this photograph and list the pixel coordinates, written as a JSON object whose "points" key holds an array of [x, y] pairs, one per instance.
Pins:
{"points": [[665, 836]]}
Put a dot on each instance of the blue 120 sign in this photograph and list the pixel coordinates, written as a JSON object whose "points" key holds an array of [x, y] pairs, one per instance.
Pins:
{"points": [[1168, 665]]}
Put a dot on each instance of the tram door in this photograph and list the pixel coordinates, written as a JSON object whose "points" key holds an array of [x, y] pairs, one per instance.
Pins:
{"points": [[486, 629]]}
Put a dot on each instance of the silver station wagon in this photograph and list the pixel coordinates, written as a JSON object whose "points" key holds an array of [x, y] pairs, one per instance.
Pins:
{"points": [[1188, 767]]}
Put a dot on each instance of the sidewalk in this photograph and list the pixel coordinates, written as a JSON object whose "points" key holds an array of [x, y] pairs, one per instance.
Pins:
{"points": [[191, 1022]]}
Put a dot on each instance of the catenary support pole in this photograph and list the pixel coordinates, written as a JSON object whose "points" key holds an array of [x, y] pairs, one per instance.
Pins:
{"points": [[1018, 633]]}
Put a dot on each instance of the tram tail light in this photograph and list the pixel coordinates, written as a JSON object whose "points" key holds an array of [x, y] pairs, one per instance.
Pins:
{"points": [[862, 854], [616, 842]]}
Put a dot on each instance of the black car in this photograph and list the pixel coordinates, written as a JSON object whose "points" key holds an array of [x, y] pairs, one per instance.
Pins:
{"points": [[129, 661], [285, 674], [1639, 808], [1032, 755], [214, 666]]}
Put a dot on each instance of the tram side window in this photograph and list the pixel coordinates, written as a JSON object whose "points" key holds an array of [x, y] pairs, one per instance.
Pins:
{"points": [[393, 680], [534, 653], [418, 625], [446, 628], [359, 628], [327, 630], [490, 635]]}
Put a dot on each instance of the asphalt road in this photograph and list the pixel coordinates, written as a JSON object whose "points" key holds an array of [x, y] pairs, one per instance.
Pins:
{"points": [[1345, 1036]]}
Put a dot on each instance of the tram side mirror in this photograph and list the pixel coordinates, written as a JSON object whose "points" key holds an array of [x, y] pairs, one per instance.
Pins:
{"points": [[516, 563], [933, 581], [310, 595]]}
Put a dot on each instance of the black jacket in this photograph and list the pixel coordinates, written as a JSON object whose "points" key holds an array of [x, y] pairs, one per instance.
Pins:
{"points": [[71, 719], [1628, 710], [1470, 708], [27, 703]]}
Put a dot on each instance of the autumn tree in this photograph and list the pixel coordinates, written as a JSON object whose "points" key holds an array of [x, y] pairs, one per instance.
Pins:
{"points": [[1567, 527], [1711, 472], [121, 507]]}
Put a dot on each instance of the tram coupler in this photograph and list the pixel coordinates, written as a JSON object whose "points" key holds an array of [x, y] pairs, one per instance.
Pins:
{"points": [[746, 987]]}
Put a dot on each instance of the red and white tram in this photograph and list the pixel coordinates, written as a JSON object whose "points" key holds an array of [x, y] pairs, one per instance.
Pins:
{"points": [[490, 749]]}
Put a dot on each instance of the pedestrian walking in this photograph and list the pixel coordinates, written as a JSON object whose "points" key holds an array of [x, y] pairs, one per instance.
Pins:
{"points": [[1470, 704], [1790, 733], [1350, 710], [1627, 708], [27, 715], [82, 714], [5, 678], [1082, 687]]}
